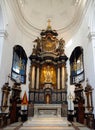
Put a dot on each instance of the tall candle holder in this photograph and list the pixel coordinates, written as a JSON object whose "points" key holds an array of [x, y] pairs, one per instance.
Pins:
{"points": [[70, 97]]}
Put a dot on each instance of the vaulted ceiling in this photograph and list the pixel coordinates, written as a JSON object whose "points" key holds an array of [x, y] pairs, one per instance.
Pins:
{"points": [[32, 15]]}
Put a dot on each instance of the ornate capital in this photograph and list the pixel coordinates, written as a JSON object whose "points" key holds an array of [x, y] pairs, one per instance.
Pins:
{"points": [[3, 33], [91, 35]]}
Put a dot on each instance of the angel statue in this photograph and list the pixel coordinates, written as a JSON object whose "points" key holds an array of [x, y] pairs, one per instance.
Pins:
{"points": [[38, 47], [60, 49]]}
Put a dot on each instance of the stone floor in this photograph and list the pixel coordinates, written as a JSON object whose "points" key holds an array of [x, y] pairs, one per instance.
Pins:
{"points": [[14, 126], [46, 123]]}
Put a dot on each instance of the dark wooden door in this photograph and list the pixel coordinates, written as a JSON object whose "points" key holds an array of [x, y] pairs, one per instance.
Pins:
{"points": [[13, 112], [80, 112]]}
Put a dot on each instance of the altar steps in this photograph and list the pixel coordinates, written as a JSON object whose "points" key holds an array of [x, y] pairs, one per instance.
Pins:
{"points": [[19, 126], [47, 128], [47, 121]]}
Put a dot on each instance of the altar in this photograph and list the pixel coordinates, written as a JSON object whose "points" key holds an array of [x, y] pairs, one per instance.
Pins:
{"points": [[48, 76], [47, 110]]}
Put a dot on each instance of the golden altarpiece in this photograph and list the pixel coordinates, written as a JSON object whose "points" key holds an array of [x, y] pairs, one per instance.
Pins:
{"points": [[48, 70]]}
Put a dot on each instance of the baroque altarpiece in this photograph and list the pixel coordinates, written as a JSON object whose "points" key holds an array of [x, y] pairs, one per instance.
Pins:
{"points": [[48, 70]]}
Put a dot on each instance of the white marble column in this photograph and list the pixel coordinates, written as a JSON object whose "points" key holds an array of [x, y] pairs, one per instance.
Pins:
{"points": [[33, 77], [3, 35], [58, 78], [63, 77], [92, 38], [92, 80], [37, 79]]}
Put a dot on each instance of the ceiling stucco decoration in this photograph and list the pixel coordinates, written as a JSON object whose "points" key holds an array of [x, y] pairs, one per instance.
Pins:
{"points": [[32, 15]]}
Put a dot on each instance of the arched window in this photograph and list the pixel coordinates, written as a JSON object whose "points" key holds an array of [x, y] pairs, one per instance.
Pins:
{"points": [[19, 62], [76, 66]]}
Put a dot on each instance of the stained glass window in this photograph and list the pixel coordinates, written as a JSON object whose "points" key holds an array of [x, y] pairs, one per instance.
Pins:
{"points": [[18, 72]]}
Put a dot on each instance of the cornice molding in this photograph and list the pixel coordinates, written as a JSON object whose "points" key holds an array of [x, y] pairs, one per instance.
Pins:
{"points": [[3, 33], [91, 35]]}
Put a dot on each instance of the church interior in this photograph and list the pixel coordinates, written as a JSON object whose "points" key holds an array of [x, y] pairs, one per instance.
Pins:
{"points": [[47, 64]]}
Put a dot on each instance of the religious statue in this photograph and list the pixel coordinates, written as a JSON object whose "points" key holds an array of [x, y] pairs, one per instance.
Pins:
{"points": [[38, 47], [48, 75], [34, 50], [47, 98], [60, 49]]}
